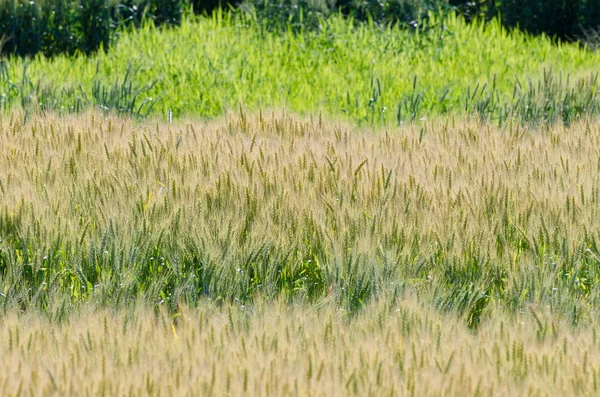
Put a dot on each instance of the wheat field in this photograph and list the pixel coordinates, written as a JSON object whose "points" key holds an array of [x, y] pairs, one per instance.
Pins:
{"points": [[274, 349], [270, 254]]}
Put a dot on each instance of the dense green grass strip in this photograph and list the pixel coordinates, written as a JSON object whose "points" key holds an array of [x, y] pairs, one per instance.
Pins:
{"points": [[362, 73]]}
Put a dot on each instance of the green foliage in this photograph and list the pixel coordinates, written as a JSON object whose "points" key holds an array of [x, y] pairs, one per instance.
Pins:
{"points": [[309, 14], [408, 12], [563, 19], [120, 95], [568, 20], [364, 74], [294, 15], [53, 27]]}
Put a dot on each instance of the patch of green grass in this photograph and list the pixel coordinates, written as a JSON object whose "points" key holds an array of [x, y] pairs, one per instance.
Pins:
{"points": [[358, 72]]}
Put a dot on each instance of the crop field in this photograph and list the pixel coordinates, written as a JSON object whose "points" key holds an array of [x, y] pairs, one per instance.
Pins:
{"points": [[451, 242], [223, 208], [471, 216], [276, 349]]}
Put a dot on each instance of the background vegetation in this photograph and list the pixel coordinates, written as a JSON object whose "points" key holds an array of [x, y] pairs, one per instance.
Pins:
{"points": [[360, 73], [562, 19], [54, 27]]}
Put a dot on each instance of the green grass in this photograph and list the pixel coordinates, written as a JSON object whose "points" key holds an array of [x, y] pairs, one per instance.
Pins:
{"points": [[356, 72]]}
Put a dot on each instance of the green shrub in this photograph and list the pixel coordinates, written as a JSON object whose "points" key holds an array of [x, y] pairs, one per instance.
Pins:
{"points": [[208, 6], [391, 11], [307, 13], [566, 19], [289, 14], [53, 27]]}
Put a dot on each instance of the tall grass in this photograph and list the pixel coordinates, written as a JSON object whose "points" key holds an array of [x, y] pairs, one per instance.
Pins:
{"points": [[473, 218], [360, 73], [393, 348]]}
